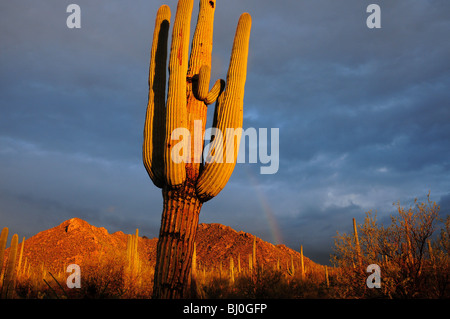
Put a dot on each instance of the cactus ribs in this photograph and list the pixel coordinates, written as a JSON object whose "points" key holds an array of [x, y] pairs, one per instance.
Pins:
{"points": [[187, 185]]}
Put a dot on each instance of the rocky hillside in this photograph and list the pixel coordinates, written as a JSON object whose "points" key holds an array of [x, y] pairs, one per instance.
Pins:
{"points": [[76, 241]]}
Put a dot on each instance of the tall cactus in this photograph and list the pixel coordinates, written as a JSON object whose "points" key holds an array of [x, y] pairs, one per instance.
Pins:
{"points": [[173, 163]]}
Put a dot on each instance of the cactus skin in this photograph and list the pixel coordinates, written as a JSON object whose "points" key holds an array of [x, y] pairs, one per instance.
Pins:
{"points": [[187, 184]]}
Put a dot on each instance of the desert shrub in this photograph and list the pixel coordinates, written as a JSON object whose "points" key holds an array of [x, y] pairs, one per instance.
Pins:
{"points": [[106, 276], [261, 284], [217, 288], [410, 266]]}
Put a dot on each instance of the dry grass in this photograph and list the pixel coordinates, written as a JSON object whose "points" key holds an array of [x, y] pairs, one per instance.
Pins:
{"points": [[412, 252]]}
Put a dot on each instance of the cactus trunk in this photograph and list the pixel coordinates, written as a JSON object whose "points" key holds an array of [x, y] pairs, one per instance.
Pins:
{"points": [[176, 242]]}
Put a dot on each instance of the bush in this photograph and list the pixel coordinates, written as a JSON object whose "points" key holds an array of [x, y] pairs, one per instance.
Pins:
{"points": [[413, 265]]}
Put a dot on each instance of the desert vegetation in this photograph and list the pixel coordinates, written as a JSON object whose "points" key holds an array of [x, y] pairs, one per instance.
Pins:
{"points": [[412, 252], [123, 275], [126, 275]]}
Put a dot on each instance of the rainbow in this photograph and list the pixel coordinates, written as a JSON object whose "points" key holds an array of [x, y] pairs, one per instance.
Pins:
{"points": [[275, 232]]}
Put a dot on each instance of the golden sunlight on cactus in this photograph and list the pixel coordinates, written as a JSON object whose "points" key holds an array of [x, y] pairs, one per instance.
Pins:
{"points": [[228, 115], [10, 270], [173, 161], [156, 111]]}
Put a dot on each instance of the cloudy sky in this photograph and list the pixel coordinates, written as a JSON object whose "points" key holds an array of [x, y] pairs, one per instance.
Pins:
{"points": [[363, 115]]}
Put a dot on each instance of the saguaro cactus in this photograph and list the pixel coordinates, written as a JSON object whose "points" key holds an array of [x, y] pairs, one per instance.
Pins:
{"points": [[10, 270], [133, 262], [188, 183], [301, 262], [3, 240], [358, 248]]}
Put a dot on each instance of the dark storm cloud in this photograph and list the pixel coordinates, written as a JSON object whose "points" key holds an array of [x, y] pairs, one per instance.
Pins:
{"points": [[363, 114]]}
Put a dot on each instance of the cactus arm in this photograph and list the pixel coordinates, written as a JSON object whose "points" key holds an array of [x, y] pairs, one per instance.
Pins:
{"points": [[229, 114], [215, 91], [176, 114], [155, 118], [202, 88], [202, 44], [203, 82], [202, 41]]}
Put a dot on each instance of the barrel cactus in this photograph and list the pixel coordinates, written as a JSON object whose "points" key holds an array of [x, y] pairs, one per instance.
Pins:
{"points": [[188, 183]]}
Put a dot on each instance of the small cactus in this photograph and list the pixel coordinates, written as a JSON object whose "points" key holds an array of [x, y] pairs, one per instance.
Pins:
{"points": [[194, 263], [10, 271], [358, 248], [254, 252], [291, 270], [19, 264], [302, 263], [133, 261], [239, 263], [3, 240], [231, 270]]}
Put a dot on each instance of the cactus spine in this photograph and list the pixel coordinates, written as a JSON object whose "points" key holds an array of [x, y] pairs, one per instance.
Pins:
{"points": [[177, 167]]}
